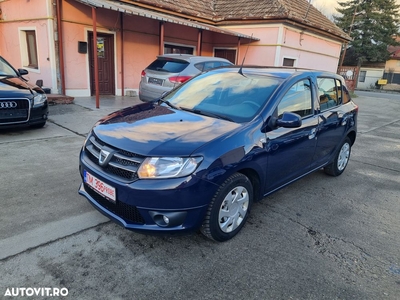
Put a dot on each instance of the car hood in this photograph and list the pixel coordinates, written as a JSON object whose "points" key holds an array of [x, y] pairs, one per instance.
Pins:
{"points": [[150, 129], [16, 86]]}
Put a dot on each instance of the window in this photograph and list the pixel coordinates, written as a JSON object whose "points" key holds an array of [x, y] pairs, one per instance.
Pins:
{"points": [[288, 62], [297, 100], [361, 77], [229, 54], [169, 48], [328, 93], [31, 49], [345, 93]]}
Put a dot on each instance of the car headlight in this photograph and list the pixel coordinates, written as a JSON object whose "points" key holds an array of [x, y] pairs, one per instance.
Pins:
{"points": [[39, 99], [168, 167]]}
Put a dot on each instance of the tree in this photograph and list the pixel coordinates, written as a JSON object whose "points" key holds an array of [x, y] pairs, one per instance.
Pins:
{"points": [[373, 26]]}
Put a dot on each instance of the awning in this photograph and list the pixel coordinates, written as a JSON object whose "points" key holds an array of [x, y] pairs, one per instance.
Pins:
{"points": [[142, 12]]}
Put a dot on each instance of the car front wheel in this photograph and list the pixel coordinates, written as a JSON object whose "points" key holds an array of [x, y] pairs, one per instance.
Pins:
{"points": [[342, 156], [229, 208]]}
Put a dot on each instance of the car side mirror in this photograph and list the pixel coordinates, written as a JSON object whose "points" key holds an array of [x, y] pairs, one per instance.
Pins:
{"points": [[22, 72], [289, 120]]}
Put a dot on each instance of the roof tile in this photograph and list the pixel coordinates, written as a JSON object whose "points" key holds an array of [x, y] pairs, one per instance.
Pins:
{"points": [[226, 11]]}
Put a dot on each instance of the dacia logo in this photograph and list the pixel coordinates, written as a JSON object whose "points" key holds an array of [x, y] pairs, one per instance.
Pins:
{"points": [[104, 157]]}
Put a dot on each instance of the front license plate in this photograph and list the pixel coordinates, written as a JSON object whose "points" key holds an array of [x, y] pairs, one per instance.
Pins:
{"points": [[102, 188], [15, 113]]}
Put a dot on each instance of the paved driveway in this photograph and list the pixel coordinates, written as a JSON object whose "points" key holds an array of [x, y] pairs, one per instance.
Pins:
{"points": [[320, 238]]}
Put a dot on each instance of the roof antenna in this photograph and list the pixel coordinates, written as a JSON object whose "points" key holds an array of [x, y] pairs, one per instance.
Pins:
{"points": [[308, 10], [241, 67]]}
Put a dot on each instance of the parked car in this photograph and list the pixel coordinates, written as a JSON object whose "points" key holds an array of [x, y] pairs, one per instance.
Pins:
{"points": [[21, 103], [171, 70], [199, 157]]}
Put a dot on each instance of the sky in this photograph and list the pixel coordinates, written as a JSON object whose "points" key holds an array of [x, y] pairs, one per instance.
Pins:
{"points": [[328, 7]]}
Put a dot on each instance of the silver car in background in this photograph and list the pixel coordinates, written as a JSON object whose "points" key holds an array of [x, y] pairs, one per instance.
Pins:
{"points": [[170, 70]]}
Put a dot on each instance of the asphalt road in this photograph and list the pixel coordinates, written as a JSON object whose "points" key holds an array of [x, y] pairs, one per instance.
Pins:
{"points": [[320, 238]]}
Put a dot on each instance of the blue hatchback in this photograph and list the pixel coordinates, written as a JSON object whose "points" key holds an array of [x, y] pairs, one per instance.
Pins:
{"points": [[198, 157]]}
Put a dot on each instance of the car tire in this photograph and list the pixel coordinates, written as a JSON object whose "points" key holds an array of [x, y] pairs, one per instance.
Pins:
{"points": [[342, 156], [229, 208]]}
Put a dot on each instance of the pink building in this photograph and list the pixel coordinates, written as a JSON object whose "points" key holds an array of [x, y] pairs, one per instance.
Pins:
{"points": [[53, 39]]}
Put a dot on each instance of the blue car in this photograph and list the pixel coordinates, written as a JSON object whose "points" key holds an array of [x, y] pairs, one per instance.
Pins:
{"points": [[198, 157], [21, 103]]}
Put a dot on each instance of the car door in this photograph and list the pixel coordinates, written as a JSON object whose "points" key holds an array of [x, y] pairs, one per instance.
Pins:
{"points": [[290, 150], [332, 125]]}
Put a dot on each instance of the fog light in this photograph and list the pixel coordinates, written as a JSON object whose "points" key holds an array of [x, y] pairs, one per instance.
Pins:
{"points": [[166, 220]]}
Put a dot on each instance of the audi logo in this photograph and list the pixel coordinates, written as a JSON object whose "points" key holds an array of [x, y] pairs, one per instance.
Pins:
{"points": [[8, 104]]}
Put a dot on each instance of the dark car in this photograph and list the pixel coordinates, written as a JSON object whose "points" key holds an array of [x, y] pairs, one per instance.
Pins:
{"points": [[21, 103], [170, 70], [199, 157]]}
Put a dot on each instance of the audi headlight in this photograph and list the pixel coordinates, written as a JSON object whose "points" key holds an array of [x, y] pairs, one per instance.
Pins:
{"points": [[39, 99], [168, 167]]}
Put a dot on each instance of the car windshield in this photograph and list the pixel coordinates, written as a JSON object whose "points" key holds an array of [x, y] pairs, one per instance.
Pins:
{"points": [[6, 69], [226, 94]]}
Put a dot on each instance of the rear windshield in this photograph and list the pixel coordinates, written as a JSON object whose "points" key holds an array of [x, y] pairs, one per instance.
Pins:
{"points": [[168, 65]]}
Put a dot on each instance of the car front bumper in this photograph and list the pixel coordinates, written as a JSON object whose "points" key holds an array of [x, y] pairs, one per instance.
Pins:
{"points": [[152, 206], [37, 115]]}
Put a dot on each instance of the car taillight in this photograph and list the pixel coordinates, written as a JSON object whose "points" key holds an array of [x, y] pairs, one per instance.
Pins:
{"points": [[179, 79], [143, 73]]}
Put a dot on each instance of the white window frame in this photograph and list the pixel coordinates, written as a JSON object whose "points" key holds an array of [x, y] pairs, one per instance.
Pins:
{"points": [[292, 58], [24, 49], [227, 48]]}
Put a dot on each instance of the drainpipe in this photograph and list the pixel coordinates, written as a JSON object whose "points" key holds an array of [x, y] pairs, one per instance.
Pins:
{"points": [[96, 65], [60, 46], [199, 41], [122, 54], [238, 52], [161, 46]]}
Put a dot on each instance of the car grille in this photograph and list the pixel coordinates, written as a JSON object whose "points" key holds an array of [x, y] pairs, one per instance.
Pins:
{"points": [[123, 164], [125, 211], [14, 110]]}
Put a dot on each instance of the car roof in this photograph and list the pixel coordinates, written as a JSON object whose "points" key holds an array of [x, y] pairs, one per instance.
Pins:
{"points": [[193, 58]]}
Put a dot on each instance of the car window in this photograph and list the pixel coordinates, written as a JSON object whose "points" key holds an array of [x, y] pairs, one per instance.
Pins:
{"points": [[297, 100], [6, 69], [346, 98], [168, 65], [329, 92], [208, 65]]}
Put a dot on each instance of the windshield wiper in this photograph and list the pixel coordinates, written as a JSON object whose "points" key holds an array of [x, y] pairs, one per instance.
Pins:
{"points": [[7, 75], [208, 114], [169, 104]]}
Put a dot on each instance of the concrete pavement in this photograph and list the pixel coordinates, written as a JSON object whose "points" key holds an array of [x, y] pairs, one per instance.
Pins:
{"points": [[320, 238], [42, 203]]}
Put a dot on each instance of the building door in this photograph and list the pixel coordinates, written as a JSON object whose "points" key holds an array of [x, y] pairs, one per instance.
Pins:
{"points": [[229, 54], [105, 58]]}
